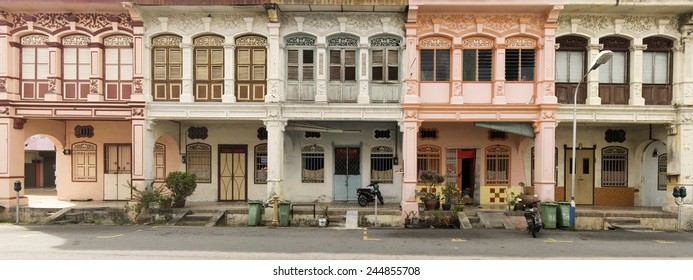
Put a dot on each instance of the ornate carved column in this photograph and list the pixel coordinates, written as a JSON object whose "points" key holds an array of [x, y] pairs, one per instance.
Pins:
{"points": [[544, 153], [679, 156], [96, 86], [686, 88], [456, 97], [678, 75], [499, 75], [275, 124], [138, 127], [593, 78], [187, 93], [410, 129], [363, 97], [55, 68], [274, 87], [636, 75], [321, 80], [546, 93], [137, 62], [148, 150], [4, 56], [229, 73]]}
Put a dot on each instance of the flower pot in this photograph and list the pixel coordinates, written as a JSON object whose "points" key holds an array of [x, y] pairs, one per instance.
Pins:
{"points": [[430, 204], [178, 204], [447, 206], [322, 222]]}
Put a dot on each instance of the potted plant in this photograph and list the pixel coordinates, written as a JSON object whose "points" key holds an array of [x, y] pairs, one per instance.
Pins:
{"points": [[182, 185], [147, 198], [512, 200], [451, 194], [322, 202], [428, 197]]}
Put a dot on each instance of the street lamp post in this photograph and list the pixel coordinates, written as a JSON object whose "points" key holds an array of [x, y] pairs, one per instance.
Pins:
{"points": [[602, 57]]}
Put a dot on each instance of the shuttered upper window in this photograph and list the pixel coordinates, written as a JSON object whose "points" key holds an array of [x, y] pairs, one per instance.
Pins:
{"points": [[477, 59], [251, 61], [342, 58], [435, 59], [167, 67], [615, 71], [118, 66], [76, 66], [656, 59], [385, 60], [520, 59], [34, 66], [209, 68]]}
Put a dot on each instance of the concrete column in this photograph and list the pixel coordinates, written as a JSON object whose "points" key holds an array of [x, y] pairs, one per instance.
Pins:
{"points": [[411, 72], [364, 96], [410, 129], [499, 74], [679, 157], [636, 75], [677, 73], [137, 64], [148, 150], [4, 56], [593, 78], [96, 88], [275, 151], [229, 72], [321, 79], [547, 63], [11, 159], [187, 93], [55, 69], [686, 87], [544, 154]]}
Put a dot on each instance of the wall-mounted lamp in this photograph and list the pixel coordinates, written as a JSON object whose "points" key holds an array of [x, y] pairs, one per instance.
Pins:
{"points": [[270, 6], [655, 153], [69, 14], [184, 158], [67, 152]]}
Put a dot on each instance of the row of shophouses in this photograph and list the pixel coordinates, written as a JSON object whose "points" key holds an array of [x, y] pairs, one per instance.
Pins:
{"points": [[311, 98]]}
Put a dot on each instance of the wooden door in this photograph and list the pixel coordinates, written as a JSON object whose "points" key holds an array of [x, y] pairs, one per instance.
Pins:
{"points": [[584, 178], [233, 175]]}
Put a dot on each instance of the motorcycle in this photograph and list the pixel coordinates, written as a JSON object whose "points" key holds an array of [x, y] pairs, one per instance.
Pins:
{"points": [[368, 194], [533, 216]]}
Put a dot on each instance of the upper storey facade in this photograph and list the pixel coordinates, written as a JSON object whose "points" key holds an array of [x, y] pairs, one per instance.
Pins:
{"points": [[471, 52]]}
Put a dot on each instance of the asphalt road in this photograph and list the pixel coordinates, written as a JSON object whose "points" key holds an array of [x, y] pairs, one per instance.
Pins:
{"points": [[89, 242]]}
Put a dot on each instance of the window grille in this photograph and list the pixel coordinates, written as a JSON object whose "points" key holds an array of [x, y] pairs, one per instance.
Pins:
{"points": [[261, 164], [382, 164], [159, 162], [428, 158], [498, 165], [662, 172], [313, 164], [199, 161], [614, 167]]}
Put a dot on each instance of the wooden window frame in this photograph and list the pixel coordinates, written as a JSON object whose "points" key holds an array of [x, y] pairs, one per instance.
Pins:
{"points": [[476, 65], [36, 83], [78, 81], [84, 149], [168, 83], [386, 66], [209, 84], [120, 82], [252, 83], [497, 157], [431, 155], [342, 65], [520, 52]]}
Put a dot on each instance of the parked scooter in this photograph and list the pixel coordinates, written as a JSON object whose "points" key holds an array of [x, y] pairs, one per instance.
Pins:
{"points": [[368, 194], [533, 216]]}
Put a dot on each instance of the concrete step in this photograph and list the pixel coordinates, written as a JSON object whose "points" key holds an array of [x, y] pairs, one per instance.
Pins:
{"points": [[495, 220], [622, 220], [629, 227], [197, 217]]}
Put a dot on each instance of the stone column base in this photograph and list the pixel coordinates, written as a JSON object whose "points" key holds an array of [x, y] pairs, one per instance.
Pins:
{"points": [[408, 207]]}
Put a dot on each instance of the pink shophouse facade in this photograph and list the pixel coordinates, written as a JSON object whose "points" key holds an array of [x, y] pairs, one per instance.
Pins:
{"points": [[480, 97]]}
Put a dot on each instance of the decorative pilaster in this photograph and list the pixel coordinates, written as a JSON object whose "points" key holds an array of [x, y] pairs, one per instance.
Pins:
{"points": [[55, 84], [96, 87], [187, 93], [593, 78], [229, 73], [273, 81], [411, 72], [686, 87], [321, 80], [138, 147], [456, 97], [499, 75], [636, 75], [363, 97], [12, 161]]}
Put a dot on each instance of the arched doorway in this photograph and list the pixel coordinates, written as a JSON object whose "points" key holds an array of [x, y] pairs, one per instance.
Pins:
{"points": [[654, 167]]}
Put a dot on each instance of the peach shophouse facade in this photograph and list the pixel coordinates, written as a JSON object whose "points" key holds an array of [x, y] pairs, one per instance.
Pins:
{"points": [[72, 76]]}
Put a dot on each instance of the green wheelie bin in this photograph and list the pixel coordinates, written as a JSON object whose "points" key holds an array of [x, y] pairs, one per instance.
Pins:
{"points": [[284, 217], [254, 212], [548, 214], [563, 214]]}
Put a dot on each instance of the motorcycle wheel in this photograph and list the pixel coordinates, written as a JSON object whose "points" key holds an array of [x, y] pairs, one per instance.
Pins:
{"points": [[363, 200], [532, 228]]}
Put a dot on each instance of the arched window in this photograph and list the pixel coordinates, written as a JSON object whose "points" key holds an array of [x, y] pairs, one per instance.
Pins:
{"points": [[209, 68], [342, 75], [520, 59], [251, 70], [34, 66], [498, 165], [428, 158], [118, 67], [435, 59], [570, 67], [300, 72], [662, 172], [477, 59], [261, 164], [167, 67], [199, 161], [656, 71], [76, 67], [312, 164], [382, 164], [159, 162], [614, 167], [613, 75], [84, 162], [385, 76]]}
